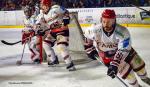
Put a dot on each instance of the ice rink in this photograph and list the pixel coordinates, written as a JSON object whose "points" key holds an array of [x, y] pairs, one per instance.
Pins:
{"points": [[89, 74]]}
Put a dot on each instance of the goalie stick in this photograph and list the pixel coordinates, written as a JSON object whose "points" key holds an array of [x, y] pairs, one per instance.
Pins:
{"points": [[13, 43], [82, 35], [19, 62], [10, 43]]}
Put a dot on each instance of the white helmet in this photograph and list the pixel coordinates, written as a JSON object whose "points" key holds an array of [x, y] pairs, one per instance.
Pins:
{"points": [[28, 11]]}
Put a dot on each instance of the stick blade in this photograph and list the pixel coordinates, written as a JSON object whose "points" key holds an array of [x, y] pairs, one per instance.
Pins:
{"points": [[8, 43], [4, 42]]}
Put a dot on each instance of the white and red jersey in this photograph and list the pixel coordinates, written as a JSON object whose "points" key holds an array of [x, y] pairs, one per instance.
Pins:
{"points": [[28, 30], [29, 23], [55, 13], [118, 43]]}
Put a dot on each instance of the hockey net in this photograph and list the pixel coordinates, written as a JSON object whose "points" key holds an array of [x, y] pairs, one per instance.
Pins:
{"points": [[76, 47]]}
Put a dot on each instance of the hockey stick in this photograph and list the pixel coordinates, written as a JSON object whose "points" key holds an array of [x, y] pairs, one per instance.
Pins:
{"points": [[130, 4], [13, 43], [81, 32], [19, 62], [10, 43], [139, 8]]}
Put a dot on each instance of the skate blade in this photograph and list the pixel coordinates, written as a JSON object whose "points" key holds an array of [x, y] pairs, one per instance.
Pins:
{"points": [[147, 81], [55, 65], [72, 69], [36, 63]]}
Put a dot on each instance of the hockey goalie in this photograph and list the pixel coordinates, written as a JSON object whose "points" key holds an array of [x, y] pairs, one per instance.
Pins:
{"points": [[28, 33]]}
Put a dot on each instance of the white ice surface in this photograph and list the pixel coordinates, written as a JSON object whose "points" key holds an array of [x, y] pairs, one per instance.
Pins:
{"points": [[90, 74]]}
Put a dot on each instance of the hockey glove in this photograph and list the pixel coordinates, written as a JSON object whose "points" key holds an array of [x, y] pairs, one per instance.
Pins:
{"points": [[40, 32], [31, 30], [112, 70], [66, 21], [66, 18]]}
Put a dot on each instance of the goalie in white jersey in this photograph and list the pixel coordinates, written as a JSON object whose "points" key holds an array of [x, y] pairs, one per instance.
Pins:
{"points": [[28, 32], [56, 18], [113, 42]]}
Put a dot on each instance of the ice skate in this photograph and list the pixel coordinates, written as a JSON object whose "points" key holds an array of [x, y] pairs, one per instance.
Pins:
{"points": [[146, 80], [53, 63], [71, 67], [36, 61], [140, 86]]}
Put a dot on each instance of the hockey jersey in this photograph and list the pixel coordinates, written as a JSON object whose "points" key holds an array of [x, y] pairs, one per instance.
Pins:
{"points": [[28, 29], [29, 23], [55, 13], [119, 42]]}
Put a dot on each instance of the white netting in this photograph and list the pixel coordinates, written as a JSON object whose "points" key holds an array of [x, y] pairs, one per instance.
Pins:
{"points": [[76, 47]]}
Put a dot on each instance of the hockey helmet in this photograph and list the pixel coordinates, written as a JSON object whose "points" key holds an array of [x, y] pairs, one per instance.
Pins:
{"points": [[108, 13], [46, 2], [28, 11]]}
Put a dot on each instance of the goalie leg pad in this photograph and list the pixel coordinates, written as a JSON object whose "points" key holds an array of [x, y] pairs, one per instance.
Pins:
{"points": [[33, 49]]}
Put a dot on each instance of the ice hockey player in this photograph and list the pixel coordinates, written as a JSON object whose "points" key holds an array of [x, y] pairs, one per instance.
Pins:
{"points": [[28, 32], [56, 18], [113, 42]]}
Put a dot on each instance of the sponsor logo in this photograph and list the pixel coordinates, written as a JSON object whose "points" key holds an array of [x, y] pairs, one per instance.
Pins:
{"points": [[107, 45], [145, 15], [125, 16], [89, 19]]}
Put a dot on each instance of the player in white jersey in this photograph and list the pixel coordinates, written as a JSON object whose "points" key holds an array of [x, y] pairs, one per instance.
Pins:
{"points": [[113, 42], [56, 18], [28, 32]]}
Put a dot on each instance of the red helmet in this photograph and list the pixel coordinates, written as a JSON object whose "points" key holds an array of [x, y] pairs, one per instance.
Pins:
{"points": [[108, 14], [46, 2]]}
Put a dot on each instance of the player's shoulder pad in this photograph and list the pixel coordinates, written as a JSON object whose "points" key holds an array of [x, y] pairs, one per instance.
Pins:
{"points": [[58, 8], [55, 7], [121, 31]]}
